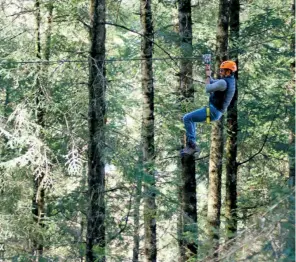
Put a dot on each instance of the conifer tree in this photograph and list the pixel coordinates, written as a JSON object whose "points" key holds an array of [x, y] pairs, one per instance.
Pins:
{"points": [[148, 131], [95, 235], [38, 197], [217, 141], [232, 129], [292, 118], [38, 200], [188, 234]]}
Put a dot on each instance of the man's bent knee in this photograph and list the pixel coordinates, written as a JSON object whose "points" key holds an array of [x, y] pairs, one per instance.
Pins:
{"points": [[186, 118]]}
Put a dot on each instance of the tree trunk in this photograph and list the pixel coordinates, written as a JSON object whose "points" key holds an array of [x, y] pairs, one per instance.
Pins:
{"points": [[148, 131], [95, 235], [48, 32], [188, 219], [189, 209], [136, 248], [222, 34], [232, 129], [217, 142], [292, 118], [38, 200], [214, 191], [180, 212], [292, 156], [81, 236]]}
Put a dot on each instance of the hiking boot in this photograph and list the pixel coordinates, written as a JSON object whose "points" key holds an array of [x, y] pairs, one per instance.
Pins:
{"points": [[190, 149]]}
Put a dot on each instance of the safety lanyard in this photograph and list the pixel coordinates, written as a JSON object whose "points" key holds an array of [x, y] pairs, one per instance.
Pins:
{"points": [[207, 60]]}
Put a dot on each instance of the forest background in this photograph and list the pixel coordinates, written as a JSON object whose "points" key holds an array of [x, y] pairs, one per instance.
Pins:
{"points": [[44, 74]]}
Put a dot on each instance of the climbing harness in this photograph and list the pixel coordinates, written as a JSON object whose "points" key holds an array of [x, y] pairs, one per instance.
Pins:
{"points": [[207, 60], [208, 119]]}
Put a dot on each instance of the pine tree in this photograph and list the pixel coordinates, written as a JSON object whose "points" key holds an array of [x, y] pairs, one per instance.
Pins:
{"points": [[217, 142], [292, 118], [95, 236], [232, 130], [38, 200], [148, 131], [188, 234], [136, 236]]}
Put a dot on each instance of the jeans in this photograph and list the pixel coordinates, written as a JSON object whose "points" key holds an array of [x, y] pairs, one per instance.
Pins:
{"points": [[198, 115]]}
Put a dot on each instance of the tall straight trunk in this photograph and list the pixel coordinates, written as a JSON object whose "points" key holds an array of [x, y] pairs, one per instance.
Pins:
{"points": [[148, 131], [81, 235], [189, 209], [48, 32], [214, 190], [217, 143], [292, 117], [292, 154], [180, 212], [37, 29], [6, 115], [38, 199], [95, 235], [188, 223], [136, 237], [232, 129]]}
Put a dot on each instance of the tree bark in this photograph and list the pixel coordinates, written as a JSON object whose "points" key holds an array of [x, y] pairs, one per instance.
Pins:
{"points": [[189, 209], [232, 130], [95, 235], [48, 32], [38, 199], [180, 211], [214, 191], [136, 238], [292, 117], [217, 142], [222, 34], [148, 131], [188, 219]]}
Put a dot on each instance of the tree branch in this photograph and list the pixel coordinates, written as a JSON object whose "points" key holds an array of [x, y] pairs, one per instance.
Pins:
{"points": [[122, 228], [135, 32], [159, 46], [88, 27], [264, 142]]}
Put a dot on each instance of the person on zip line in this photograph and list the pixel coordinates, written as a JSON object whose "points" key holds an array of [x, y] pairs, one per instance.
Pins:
{"points": [[221, 93]]}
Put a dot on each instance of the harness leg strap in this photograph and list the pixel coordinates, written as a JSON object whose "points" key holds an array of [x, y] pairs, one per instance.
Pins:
{"points": [[208, 119]]}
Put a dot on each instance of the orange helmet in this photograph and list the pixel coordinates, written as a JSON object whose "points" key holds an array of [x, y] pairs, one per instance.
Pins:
{"points": [[228, 65]]}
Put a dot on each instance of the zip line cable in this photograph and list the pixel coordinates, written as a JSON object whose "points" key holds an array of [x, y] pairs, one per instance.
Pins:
{"points": [[170, 57], [62, 61], [175, 67], [86, 61]]}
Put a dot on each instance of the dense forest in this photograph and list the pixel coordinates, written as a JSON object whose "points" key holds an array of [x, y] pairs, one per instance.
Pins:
{"points": [[92, 95]]}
